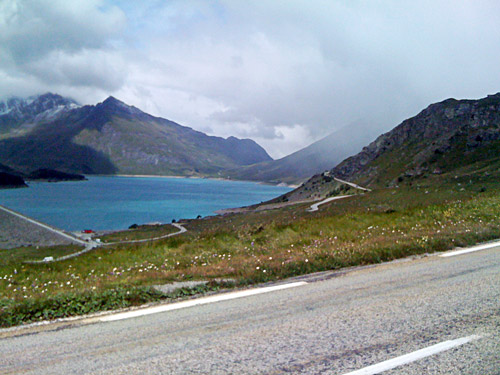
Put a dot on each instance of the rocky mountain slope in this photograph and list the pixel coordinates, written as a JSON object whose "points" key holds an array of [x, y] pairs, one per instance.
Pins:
{"points": [[444, 137], [453, 138], [315, 158], [112, 137]]}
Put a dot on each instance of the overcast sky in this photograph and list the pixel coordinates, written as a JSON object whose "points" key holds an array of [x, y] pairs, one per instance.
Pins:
{"points": [[284, 73]]}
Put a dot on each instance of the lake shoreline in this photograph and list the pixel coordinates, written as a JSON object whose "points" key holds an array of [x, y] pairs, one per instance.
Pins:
{"points": [[117, 202], [281, 184]]}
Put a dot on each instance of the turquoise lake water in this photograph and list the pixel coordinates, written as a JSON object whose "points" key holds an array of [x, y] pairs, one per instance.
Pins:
{"points": [[103, 203]]}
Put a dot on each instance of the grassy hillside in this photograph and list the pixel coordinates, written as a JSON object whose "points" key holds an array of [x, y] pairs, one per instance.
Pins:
{"points": [[447, 137], [434, 214]]}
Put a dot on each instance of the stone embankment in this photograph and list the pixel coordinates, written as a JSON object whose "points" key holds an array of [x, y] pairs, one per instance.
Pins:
{"points": [[18, 232]]}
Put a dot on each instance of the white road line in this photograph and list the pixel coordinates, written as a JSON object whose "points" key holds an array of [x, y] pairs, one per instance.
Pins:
{"points": [[199, 301], [414, 356], [470, 249]]}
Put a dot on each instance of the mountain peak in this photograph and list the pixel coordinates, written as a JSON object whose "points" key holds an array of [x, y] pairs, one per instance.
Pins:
{"points": [[49, 100], [111, 103], [34, 109], [48, 95], [112, 100]]}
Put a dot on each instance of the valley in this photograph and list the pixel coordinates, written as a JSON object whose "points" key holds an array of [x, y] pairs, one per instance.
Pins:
{"points": [[254, 247], [389, 213]]}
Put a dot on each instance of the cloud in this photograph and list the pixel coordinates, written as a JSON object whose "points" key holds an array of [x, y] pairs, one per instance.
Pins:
{"points": [[275, 65], [283, 72], [94, 68], [59, 42]]}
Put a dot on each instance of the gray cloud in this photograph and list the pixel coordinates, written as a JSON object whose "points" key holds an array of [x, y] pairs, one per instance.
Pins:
{"points": [[283, 72], [93, 68], [57, 42]]}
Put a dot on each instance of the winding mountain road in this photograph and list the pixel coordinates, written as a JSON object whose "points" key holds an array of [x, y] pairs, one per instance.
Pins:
{"points": [[314, 207], [88, 244], [351, 184], [178, 226]]}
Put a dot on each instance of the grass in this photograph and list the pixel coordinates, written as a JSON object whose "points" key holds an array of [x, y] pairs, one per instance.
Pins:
{"points": [[19, 255], [385, 224], [139, 233], [71, 304]]}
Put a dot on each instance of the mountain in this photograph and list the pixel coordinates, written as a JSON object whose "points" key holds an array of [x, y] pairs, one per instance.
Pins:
{"points": [[451, 138], [113, 137], [22, 114], [6, 169], [453, 135], [315, 158]]}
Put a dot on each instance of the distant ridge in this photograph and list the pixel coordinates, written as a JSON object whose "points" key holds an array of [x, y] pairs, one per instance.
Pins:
{"points": [[315, 158]]}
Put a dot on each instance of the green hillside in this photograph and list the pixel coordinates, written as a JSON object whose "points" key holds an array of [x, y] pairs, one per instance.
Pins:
{"points": [[447, 140]]}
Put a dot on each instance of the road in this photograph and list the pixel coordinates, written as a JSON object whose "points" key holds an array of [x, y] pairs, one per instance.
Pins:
{"points": [[88, 245], [328, 323], [315, 206], [351, 184], [178, 226]]}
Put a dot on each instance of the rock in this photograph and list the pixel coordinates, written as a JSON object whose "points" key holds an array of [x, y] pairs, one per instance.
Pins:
{"points": [[51, 175], [9, 181]]}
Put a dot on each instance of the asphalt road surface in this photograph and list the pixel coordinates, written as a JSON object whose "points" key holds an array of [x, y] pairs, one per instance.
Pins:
{"points": [[337, 323]]}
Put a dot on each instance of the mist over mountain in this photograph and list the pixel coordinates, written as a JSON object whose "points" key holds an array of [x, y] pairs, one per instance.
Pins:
{"points": [[315, 158], [446, 136]]}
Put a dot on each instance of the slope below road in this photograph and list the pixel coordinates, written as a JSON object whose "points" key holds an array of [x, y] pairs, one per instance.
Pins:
{"points": [[337, 323]]}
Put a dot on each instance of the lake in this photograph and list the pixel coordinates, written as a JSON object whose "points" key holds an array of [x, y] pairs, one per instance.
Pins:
{"points": [[103, 203]]}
